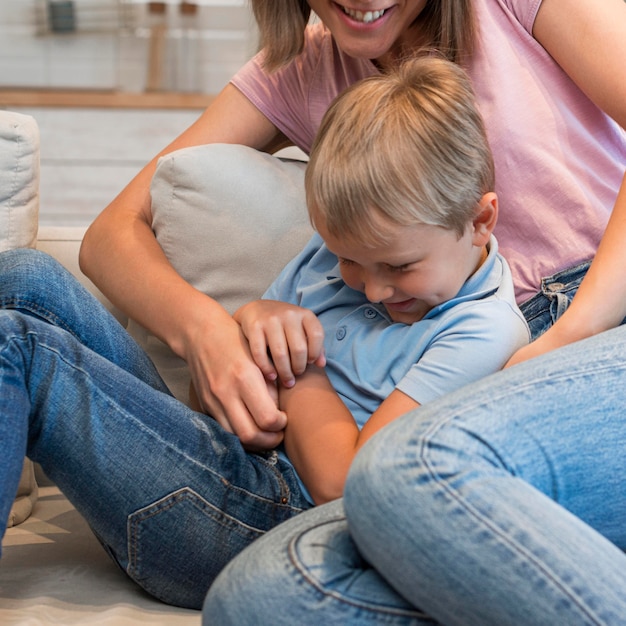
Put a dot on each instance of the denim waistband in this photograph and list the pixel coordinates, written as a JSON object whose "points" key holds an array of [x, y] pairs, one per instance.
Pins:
{"points": [[559, 287]]}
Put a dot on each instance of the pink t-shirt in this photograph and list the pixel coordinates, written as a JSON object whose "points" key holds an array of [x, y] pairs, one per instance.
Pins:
{"points": [[559, 159]]}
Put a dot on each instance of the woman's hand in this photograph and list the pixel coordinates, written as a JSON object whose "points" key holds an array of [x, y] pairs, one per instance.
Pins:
{"points": [[283, 338], [230, 387]]}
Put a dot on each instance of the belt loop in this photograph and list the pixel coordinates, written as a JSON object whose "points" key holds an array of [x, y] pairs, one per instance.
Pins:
{"points": [[558, 305]]}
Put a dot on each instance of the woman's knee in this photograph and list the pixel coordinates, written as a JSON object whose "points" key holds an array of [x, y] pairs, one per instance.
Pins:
{"points": [[19, 263], [402, 472], [305, 571]]}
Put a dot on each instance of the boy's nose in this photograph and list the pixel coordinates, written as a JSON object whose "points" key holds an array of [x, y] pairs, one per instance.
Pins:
{"points": [[376, 290]]}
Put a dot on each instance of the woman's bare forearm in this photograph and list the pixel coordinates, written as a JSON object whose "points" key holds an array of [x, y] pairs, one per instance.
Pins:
{"points": [[123, 258]]}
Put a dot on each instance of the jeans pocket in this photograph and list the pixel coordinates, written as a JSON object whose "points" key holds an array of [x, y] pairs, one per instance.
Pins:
{"points": [[180, 543]]}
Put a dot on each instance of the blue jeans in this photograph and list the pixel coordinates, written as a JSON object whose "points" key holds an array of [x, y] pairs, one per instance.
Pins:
{"points": [[502, 503], [171, 495], [553, 298]]}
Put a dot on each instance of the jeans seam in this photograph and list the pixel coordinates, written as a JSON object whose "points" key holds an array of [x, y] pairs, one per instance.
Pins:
{"points": [[423, 454], [323, 591], [30, 307], [270, 463]]}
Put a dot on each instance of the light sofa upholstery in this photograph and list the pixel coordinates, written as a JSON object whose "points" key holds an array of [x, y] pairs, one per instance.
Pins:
{"points": [[19, 192], [53, 570]]}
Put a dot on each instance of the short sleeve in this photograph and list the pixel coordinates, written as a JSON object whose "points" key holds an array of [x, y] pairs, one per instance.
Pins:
{"points": [[525, 11], [283, 95], [475, 341], [295, 97]]}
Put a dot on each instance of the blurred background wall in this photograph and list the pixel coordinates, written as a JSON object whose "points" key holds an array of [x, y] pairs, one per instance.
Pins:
{"points": [[127, 45]]}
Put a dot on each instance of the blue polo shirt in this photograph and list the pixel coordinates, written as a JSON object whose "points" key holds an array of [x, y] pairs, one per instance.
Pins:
{"points": [[369, 355]]}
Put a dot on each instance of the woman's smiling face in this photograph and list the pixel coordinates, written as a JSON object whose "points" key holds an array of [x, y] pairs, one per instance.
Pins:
{"points": [[370, 29]]}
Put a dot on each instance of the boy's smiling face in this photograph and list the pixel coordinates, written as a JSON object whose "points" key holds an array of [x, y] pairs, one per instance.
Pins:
{"points": [[415, 269]]}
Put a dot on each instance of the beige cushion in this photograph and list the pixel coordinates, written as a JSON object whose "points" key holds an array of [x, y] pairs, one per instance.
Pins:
{"points": [[19, 180], [26, 497], [229, 218]]}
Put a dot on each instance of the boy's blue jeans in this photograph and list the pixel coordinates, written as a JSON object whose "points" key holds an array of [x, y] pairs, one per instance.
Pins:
{"points": [[169, 493], [503, 503]]}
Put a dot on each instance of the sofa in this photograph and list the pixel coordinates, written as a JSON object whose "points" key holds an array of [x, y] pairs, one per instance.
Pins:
{"points": [[228, 234]]}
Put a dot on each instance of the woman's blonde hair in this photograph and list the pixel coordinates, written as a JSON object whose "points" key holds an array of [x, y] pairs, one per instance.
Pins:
{"points": [[408, 146], [447, 26]]}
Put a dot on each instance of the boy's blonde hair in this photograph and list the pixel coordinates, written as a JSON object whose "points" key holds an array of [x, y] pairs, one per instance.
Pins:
{"points": [[408, 146], [447, 26]]}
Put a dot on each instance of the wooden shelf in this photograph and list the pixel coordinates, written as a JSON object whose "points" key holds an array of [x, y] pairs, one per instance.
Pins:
{"points": [[102, 99]]}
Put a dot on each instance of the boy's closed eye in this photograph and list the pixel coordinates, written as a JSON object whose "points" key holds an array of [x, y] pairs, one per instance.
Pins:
{"points": [[400, 268], [391, 268]]}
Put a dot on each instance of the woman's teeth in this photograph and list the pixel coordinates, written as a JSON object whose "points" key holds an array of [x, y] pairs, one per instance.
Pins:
{"points": [[360, 16]]}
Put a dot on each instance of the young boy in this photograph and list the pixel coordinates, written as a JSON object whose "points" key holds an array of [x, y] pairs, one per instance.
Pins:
{"points": [[404, 278], [401, 297]]}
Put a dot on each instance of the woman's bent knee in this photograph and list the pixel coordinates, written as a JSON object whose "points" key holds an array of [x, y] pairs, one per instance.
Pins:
{"points": [[305, 571]]}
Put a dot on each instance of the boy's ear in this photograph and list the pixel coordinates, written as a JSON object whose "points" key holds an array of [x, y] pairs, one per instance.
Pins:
{"points": [[485, 218]]}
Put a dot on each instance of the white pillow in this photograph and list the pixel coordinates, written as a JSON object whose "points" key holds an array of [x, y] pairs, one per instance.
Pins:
{"points": [[229, 218], [19, 180]]}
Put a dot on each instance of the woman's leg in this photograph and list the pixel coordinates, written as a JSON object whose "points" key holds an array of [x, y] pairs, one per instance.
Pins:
{"points": [[463, 507], [170, 494], [34, 283], [505, 503], [306, 572]]}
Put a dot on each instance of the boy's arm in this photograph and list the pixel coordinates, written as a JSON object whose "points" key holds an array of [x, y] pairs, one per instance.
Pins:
{"points": [[322, 438]]}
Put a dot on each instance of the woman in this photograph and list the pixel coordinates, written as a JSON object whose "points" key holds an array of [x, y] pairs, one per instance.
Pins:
{"points": [[547, 78], [550, 430]]}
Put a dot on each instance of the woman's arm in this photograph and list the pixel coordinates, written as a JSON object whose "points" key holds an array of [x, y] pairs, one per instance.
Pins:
{"points": [[121, 255], [322, 438], [588, 40]]}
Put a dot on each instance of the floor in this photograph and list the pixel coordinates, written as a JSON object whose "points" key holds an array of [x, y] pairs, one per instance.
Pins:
{"points": [[88, 155]]}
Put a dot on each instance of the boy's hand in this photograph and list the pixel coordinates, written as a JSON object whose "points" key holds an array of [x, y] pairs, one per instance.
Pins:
{"points": [[292, 335]]}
